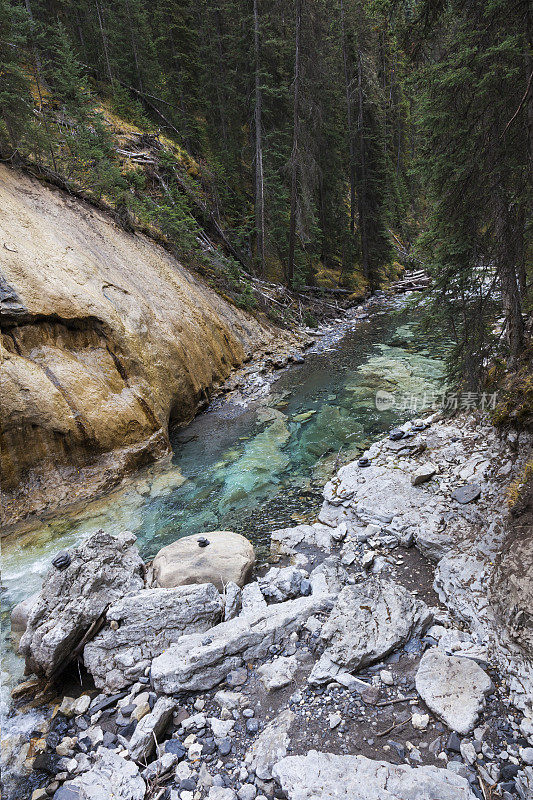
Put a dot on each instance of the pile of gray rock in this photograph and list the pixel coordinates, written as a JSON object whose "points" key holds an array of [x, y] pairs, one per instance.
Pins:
{"points": [[334, 674]]}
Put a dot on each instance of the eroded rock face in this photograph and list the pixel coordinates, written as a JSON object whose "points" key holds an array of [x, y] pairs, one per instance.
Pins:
{"points": [[142, 625], [105, 336], [453, 687], [511, 590], [217, 557], [111, 776], [102, 570], [198, 662], [368, 621], [332, 777]]}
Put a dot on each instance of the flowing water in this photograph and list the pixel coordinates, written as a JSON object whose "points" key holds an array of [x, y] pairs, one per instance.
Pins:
{"points": [[250, 468]]}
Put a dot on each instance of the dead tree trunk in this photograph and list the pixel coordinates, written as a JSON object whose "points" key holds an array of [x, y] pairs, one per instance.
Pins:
{"points": [[349, 122], [362, 189], [295, 146], [259, 177], [104, 42], [507, 272]]}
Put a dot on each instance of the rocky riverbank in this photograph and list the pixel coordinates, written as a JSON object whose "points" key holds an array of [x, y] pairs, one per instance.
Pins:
{"points": [[105, 340], [371, 658]]}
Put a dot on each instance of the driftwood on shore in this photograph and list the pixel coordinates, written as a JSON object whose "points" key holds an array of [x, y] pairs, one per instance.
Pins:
{"points": [[412, 282]]}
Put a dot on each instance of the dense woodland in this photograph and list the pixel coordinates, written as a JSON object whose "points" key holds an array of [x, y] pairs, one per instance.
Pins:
{"points": [[315, 142]]}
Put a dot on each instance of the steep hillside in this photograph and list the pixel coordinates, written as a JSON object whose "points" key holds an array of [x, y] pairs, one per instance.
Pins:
{"points": [[105, 339]]}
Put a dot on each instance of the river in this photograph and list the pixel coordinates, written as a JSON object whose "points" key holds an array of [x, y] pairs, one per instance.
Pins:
{"points": [[250, 467]]}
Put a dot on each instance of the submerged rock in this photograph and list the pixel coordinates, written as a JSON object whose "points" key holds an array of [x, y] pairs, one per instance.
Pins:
{"points": [[199, 662], [227, 557], [142, 625], [111, 777], [103, 569], [454, 688], [335, 777], [368, 622], [21, 613]]}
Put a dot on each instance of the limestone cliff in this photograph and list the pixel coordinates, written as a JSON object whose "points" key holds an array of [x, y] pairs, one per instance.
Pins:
{"points": [[105, 339]]}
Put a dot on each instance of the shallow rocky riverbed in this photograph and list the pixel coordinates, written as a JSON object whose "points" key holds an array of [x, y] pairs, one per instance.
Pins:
{"points": [[370, 661]]}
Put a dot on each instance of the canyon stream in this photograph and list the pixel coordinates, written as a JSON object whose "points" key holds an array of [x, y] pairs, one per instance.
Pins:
{"points": [[252, 466]]}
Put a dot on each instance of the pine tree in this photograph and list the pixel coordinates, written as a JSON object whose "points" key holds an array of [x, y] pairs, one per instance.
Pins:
{"points": [[475, 164], [15, 96]]}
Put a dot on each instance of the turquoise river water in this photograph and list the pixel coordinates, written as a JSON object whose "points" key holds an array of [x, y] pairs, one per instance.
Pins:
{"points": [[250, 468]]}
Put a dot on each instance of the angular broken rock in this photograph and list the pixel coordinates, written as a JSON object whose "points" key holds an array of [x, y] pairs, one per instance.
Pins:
{"points": [[232, 600], [150, 729], [227, 557], [252, 600], [467, 493], [453, 688], [369, 621], [103, 569], [199, 662], [424, 473], [278, 673], [111, 777], [270, 746], [333, 777], [281, 584], [144, 625], [285, 541]]}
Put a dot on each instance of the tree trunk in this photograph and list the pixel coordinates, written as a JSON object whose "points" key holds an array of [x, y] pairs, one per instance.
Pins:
{"points": [[295, 145], [221, 81], [104, 42], [529, 71], [349, 122], [507, 271], [134, 48], [259, 178], [361, 194], [34, 49]]}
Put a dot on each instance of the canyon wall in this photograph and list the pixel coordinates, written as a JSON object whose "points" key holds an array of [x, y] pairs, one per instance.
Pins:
{"points": [[105, 338]]}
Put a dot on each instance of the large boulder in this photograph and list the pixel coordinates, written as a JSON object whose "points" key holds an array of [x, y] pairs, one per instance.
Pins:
{"points": [[226, 557], [198, 662], [369, 621], [111, 777], [20, 614], [75, 595], [333, 777], [453, 687], [142, 625]]}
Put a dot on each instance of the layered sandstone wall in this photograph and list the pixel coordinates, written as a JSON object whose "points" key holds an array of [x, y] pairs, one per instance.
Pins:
{"points": [[105, 337]]}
